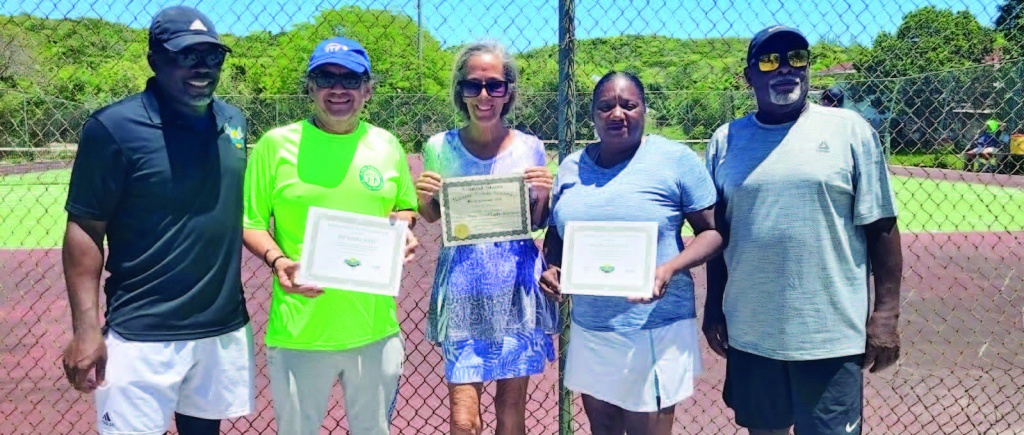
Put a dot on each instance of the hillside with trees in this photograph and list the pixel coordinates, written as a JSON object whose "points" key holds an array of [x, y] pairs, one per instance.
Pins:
{"points": [[54, 72]]}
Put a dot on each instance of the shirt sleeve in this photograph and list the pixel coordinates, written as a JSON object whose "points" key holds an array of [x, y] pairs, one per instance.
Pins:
{"points": [[874, 198], [430, 157], [556, 191], [540, 155], [406, 199], [696, 190], [259, 186], [98, 175]]}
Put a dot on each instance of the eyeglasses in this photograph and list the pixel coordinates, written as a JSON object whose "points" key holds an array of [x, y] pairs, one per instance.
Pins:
{"points": [[771, 61], [349, 80], [472, 88], [189, 58]]}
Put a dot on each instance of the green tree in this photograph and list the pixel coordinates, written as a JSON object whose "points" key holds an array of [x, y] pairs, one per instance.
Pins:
{"points": [[1011, 23], [921, 72], [928, 40]]}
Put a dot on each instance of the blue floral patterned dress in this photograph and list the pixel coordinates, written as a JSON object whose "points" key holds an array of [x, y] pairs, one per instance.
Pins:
{"points": [[487, 311]]}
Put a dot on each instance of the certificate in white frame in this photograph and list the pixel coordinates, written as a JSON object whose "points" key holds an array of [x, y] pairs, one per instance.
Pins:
{"points": [[350, 251], [609, 258]]}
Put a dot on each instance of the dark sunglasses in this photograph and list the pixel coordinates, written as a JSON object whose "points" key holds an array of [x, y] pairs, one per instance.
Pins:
{"points": [[189, 58], [771, 61], [472, 88], [349, 80]]}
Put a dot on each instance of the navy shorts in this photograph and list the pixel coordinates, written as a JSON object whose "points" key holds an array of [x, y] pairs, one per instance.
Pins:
{"points": [[817, 397]]}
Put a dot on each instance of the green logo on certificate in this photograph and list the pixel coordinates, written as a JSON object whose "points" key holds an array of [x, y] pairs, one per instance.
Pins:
{"points": [[352, 262], [371, 178], [607, 268]]}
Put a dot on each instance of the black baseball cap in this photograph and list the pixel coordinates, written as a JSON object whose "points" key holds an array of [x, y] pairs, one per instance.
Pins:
{"points": [[770, 32], [178, 27]]}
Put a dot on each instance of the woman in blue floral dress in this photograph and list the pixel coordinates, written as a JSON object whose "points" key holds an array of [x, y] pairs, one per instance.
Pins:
{"points": [[487, 312]]}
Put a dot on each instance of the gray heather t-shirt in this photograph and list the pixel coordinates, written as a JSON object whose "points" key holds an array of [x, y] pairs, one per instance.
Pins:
{"points": [[795, 198]]}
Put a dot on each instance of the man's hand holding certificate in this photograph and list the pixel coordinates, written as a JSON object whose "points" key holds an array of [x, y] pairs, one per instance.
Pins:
{"points": [[484, 209], [610, 259], [354, 252]]}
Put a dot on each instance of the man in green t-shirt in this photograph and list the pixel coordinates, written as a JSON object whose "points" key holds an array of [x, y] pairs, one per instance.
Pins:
{"points": [[336, 161]]}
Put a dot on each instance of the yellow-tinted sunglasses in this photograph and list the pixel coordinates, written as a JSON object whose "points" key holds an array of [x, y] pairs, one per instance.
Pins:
{"points": [[770, 61]]}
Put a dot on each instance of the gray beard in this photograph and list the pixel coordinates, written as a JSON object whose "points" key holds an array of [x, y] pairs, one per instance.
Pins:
{"points": [[783, 99]]}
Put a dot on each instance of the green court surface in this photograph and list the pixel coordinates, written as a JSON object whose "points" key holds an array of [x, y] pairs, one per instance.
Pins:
{"points": [[32, 208]]}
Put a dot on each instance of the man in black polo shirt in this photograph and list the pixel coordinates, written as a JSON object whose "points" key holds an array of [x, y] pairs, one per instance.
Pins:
{"points": [[160, 174]]}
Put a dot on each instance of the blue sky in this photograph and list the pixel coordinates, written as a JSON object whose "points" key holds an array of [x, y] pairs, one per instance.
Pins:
{"points": [[527, 24]]}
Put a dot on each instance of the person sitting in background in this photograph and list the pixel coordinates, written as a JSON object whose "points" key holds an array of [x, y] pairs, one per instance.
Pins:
{"points": [[989, 141]]}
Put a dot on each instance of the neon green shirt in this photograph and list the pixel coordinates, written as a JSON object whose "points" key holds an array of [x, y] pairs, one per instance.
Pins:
{"points": [[298, 166]]}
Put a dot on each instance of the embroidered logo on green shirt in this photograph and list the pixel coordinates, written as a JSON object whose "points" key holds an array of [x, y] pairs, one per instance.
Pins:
{"points": [[371, 178]]}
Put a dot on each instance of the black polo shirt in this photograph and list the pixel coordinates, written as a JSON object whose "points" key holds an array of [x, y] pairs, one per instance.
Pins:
{"points": [[170, 192]]}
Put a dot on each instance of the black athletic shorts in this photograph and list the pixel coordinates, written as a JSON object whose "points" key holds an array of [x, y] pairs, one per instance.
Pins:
{"points": [[818, 396]]}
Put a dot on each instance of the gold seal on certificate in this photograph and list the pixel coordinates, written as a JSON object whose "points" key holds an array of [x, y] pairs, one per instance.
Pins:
{"points": [[609, 258], [461, 231], [484, 209], [356, 252]]}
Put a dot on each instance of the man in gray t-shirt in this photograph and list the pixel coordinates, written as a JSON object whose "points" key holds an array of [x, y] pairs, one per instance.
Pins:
{"points": [[808, 213]]}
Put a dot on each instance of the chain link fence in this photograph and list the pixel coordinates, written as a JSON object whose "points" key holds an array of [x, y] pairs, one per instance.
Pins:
{"points": [[926, 75]]}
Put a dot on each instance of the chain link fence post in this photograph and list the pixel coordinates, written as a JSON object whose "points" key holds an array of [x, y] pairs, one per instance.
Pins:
{"points": [[566, 139]]}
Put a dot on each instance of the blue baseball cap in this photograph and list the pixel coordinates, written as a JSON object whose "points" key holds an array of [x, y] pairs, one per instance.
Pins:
{"points": [[770, 32], [177, 27], [340, 51]]}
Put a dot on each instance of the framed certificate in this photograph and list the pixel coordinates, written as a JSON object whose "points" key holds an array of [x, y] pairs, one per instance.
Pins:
{"points": [[609, 258], [350, 251], [484, 209]]}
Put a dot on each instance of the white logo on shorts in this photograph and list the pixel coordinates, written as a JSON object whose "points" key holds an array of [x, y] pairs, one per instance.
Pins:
{"points": [[106, 420], [334, 46], [198, 25], [850, 427]]}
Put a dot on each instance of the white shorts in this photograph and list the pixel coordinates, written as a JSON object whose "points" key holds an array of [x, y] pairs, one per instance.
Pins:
{"points": [[147, 382], [641, 371]]}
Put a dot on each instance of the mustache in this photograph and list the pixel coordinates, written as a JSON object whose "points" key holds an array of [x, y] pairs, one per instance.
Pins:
{"points": [[785, 78]]}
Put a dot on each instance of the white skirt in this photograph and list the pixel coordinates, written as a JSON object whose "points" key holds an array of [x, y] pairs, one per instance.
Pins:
{"points": [[641, 371]]}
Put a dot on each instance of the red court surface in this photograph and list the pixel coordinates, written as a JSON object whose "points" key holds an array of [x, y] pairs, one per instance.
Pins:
{"points": [[962, 369]]}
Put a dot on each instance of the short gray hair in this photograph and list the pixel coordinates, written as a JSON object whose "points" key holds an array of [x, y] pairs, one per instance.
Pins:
{"points": [[508, 66]]}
